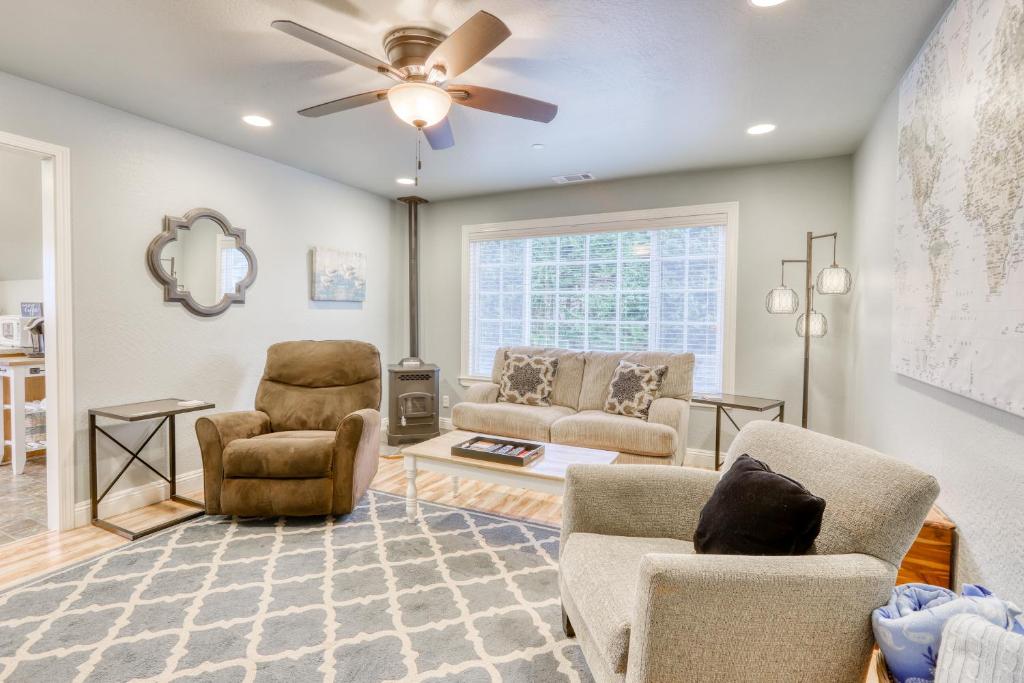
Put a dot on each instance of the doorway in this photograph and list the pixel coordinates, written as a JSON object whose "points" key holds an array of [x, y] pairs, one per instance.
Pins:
{"points": [[37, 471]]}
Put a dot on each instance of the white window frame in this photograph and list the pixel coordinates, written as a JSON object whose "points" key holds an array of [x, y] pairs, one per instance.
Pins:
{"points": [[675, 216]]}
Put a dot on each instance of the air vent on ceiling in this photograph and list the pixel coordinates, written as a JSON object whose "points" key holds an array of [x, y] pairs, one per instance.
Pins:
{"points": [[573, 178]]}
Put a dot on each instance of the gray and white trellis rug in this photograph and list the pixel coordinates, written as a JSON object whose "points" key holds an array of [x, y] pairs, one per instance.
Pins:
{"points": [[457, 596]]}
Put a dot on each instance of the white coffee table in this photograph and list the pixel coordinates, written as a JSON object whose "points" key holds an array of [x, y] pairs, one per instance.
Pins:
{"points": [[547, 474]]}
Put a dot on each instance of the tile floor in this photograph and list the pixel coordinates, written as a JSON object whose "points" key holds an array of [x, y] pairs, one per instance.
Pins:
{"points": [[23, 501]]}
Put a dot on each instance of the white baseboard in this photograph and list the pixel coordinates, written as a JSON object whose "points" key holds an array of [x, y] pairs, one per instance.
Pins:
{"points": [[138, 497], [700, 457]]}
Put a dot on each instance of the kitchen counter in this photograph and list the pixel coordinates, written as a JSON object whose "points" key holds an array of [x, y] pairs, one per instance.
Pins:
{"points": [[19, 361]]}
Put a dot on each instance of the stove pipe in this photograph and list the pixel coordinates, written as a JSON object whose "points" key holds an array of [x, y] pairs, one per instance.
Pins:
{"points": [[413, 203]]}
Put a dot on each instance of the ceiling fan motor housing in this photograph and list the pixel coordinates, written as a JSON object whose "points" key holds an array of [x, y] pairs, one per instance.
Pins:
{"points": [[408, 48]]}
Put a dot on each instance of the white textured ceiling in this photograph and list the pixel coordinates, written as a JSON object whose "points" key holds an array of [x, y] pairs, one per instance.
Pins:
{"points": [[643, 86], [21, 219]]}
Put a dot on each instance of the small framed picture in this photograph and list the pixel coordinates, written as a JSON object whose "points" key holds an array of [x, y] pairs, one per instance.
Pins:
{"points": [[338, 275], [32, 309]]}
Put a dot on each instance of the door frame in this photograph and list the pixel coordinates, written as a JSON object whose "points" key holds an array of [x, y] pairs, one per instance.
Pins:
{"points": [[55, 162]]}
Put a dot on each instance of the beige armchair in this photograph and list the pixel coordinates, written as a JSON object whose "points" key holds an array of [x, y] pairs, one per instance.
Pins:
{"points": [[312, 445], [646, 609]]}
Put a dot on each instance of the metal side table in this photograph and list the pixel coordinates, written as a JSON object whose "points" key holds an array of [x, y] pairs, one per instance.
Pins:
{"points": [[722, 404], [166, 409]]}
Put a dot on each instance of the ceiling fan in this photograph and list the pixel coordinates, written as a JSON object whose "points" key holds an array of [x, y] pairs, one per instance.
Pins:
{"points": [[423, 61]]}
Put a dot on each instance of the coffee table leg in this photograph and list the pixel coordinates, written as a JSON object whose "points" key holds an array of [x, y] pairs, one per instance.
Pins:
{"points": [[410, 487]]}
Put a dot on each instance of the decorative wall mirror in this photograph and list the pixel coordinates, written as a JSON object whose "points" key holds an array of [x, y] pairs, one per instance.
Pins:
{"points": [[202, 262]]}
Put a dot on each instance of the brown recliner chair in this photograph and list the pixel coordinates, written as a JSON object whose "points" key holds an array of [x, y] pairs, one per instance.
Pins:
{"points": [[311, 446]]}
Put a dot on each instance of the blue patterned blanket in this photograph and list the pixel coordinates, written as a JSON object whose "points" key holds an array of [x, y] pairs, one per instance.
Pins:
{"points": [[909, 628]]}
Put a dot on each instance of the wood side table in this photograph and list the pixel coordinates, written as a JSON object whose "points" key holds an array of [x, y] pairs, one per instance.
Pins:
{"points": [[166, 409], [722, 404], [932, 557]]}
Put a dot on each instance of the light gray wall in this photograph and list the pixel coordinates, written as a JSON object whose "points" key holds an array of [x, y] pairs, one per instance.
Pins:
{"points": [[778, 203], [126, 174], [15, 292], [977, 452], [21, 233]]}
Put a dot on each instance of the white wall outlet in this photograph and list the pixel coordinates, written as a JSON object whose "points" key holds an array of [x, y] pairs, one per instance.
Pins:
{"points": [[445, 402]]}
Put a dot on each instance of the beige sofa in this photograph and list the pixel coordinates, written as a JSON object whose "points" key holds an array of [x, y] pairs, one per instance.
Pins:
{"points": [[576, 414]]}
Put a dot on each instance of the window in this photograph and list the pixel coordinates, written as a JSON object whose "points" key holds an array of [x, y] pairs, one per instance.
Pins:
{"points": [[635, 281], [232, 266]]}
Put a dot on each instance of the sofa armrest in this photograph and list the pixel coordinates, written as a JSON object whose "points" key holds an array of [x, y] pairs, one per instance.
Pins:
{"points": [[674, 412], [635, 500], [215, 432], [356, 456], [787, 618], [482, 392]]}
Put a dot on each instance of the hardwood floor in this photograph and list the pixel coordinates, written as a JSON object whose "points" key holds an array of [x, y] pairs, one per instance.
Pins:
{"points": [[502, 500], [24, 559]]}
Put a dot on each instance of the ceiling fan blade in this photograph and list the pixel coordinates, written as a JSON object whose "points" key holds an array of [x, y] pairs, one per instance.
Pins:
{"points": [[350, 102], [468, 44], [440, 134], [334, 47], [501, 102]]}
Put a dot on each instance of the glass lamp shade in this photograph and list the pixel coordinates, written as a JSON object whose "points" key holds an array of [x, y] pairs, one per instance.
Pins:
{"points": [[834, 280], [782, 300], [419, 104], [818, 326]]}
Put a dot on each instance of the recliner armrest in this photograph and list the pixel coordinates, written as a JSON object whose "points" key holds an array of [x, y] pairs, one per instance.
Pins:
{"points": [[356, 456], [482, 392], [214, 433], [635, 500], [783, 618]]}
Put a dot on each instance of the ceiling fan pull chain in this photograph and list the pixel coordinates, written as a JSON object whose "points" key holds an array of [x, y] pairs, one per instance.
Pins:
{"points": [[419, 162]]}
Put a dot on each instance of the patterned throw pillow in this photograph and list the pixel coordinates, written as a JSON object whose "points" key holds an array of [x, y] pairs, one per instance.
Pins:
{"points": [[527, 379], [633, 388]]}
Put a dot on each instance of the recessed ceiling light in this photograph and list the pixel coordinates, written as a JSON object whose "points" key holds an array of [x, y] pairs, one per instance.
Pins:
{"points": [[257, 120], [766, 3], [761, 129], [537, 146], [405, 181]]}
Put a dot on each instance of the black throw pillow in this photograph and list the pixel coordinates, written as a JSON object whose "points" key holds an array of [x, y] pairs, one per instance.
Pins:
{"points": [[754, 511]]}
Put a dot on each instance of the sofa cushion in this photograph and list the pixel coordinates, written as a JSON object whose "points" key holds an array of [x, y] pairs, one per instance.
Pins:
{"points": [[598, 429], [600, 573], [565, 391], [633, 388], [508, 419], [527, 379], [599, 366], [281, 455]]}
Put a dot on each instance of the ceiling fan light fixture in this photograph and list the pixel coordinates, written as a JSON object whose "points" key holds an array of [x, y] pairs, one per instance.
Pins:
{"points": [[419, 104]]}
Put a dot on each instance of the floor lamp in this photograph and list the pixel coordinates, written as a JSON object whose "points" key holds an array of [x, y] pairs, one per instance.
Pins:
{"points": [[782, 300]]}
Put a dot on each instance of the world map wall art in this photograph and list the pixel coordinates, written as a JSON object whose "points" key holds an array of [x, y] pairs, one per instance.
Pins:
{"points": [[958, 299]]}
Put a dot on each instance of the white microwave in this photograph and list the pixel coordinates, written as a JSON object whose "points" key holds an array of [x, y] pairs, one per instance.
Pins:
{"points": [[13, 331]]}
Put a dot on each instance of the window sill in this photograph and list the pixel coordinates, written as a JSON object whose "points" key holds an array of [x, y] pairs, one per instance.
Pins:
{"points": [[468, 381]]}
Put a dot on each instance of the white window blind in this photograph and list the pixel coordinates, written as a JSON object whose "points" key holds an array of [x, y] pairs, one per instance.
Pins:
{"points": [[660, 289], [232, 268]]}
